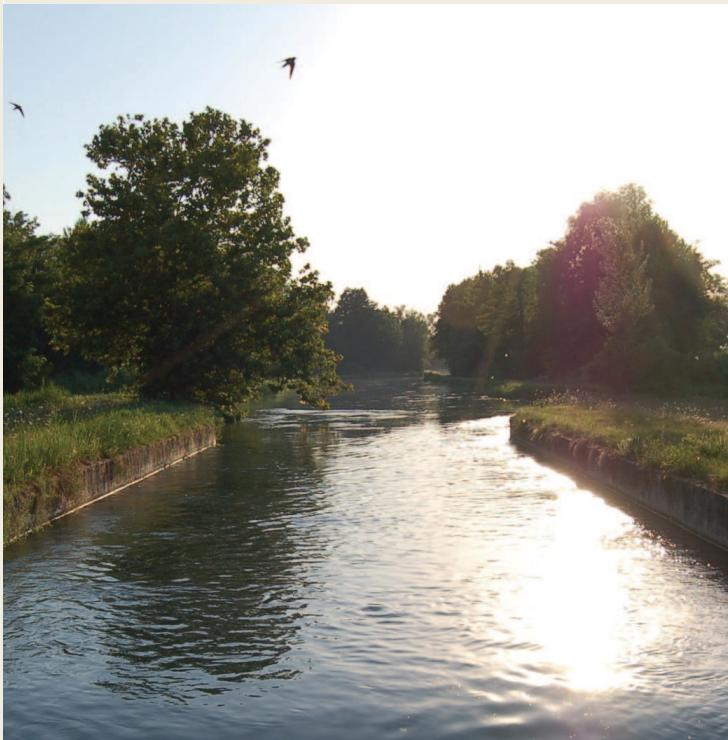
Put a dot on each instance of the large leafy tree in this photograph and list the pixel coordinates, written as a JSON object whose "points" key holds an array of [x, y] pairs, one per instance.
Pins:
{"points": [[180, 271], [457, 338], [367, 336], [28, 276], [376, 339], [415, 347], [483, 322], [653, 298], [620, 298], [571, 275], [502, 320]]}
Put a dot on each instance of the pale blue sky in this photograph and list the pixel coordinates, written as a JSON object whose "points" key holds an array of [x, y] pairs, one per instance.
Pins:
{"points": [[416, 143]]}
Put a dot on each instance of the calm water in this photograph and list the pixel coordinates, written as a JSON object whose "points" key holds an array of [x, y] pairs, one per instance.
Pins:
{"points": [[393, 567]]}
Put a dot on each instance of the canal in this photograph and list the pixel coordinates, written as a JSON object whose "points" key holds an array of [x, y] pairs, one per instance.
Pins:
{"points": [[390, 568]]}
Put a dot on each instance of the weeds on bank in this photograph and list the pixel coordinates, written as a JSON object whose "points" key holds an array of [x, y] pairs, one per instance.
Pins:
{"points": [[48, 434], [49, 430], [32, 409], [672, 437]]}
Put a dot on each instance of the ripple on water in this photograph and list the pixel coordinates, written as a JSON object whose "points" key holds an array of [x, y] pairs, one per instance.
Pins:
{"points": [[364, 573]]}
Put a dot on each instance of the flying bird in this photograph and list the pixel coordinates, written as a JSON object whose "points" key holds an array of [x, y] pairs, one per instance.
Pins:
{"points": [[17, 107], [290, 62]]}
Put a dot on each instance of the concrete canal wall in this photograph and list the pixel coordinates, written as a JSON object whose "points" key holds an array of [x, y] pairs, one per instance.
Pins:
{"points": [[90, 482], [693, 506]]}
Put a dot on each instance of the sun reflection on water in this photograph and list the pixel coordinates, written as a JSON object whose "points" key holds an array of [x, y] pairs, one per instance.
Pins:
{"points": [[575, 602]]}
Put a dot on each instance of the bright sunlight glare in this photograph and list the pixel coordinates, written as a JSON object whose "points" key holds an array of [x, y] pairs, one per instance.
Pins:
{"points": [[578, 607], [416, 144], [425, 145]]}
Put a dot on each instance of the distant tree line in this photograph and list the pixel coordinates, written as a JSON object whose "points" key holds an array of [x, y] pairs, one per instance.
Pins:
{"points": [[178, 278], [372, 339], [620, 299]]}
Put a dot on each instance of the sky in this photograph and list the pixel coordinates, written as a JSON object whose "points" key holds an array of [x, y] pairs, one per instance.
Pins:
{"points": [[417, 144]]}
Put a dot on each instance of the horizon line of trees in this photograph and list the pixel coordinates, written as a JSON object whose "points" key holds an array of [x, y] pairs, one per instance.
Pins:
{"points": [[178, 277], [368, 338], [620, 299], [374, 339]]}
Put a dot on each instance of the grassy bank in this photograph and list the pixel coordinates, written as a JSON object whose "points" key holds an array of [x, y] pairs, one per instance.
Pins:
{"points": [[49, 434], [683, 438]]}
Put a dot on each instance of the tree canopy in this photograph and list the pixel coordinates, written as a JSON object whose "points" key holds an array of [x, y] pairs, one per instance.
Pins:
{"points": [[180, 270], [28, 274], [371, 338], [620, 299]]}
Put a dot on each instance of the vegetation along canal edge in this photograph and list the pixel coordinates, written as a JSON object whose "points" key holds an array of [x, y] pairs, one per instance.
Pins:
{"points": [[82, 485], [688, 503]]}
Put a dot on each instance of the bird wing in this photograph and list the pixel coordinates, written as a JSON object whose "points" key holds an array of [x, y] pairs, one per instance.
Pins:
{"points": [[290, 62]]}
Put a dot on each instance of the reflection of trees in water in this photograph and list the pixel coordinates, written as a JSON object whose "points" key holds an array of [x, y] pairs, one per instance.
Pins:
{"points": [[211, 583], [417, 401], [207, 579], [426, 400]]}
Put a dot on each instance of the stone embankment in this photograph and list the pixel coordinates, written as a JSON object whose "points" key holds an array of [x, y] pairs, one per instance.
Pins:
{"points": [[691, 505], [90, 482]]}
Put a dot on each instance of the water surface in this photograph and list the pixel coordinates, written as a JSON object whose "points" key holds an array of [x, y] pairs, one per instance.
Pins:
{"points": [[391, 567]]}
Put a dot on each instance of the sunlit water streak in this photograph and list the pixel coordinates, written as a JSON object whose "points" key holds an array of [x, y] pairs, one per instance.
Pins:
{"points": [[394, 567]]}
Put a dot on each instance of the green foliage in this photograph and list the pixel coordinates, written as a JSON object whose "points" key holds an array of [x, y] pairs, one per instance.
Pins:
{"points": [[568, 278], [374, 339], [719, 363], [83, 382], [48, 394], [639, 366], [457, 338], [48, 434], [652, 299], [483, 323], [620, 299], [622, 302], [29, 273], [669, 440], [49, 440], [502, 321], [416, 336], [183, 275]]}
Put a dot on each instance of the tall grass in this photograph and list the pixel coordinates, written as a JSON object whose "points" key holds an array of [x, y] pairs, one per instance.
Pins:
{"points": [[49, 394], [49, 434], [674, 441], [55, 441]]}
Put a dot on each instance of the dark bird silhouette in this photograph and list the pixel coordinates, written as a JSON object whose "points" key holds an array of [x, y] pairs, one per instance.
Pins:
{"points": [[17, 107], [290, 62]]}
